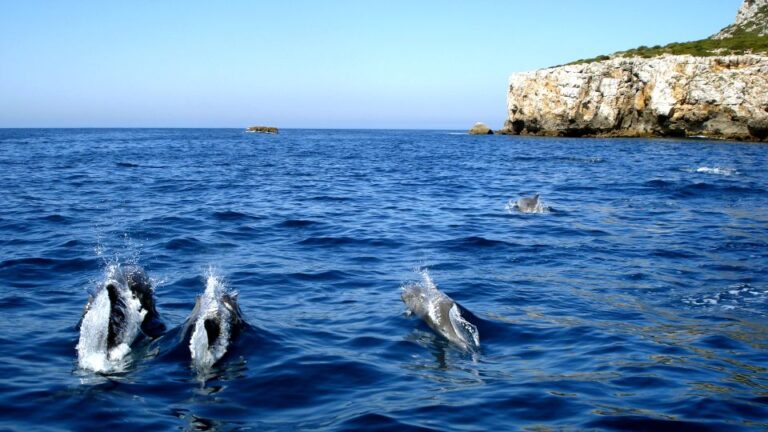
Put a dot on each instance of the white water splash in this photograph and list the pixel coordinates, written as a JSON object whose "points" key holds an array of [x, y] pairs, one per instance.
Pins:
{"points": [[210, 306], [740, 296], [92, 351], [440, 312], [715, 171]]}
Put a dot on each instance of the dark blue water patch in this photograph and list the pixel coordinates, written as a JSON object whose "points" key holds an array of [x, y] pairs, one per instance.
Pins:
{"points": [[473, 242], [186, 243], [674, 254], [638, 302], [698, 189], [297, 223], [719, 342], [241, 233], [57, 218], [660, 184], [38, 267], [340, 241], [328, 198], [639, 423], [684, 189], [380, 422], [18, 302], [231, 215], [127, 165], [714, 409], [331, 275]]}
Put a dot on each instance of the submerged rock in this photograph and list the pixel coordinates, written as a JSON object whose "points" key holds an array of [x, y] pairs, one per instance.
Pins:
{"points": [[480, 129]]}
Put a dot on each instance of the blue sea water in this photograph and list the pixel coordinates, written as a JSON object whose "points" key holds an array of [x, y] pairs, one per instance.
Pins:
{"points": [[639, 301]]}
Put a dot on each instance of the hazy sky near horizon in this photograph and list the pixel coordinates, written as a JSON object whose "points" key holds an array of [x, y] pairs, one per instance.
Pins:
{"points": [[315, 64]]}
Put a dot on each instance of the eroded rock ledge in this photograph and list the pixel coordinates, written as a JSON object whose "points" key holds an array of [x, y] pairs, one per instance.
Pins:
{"points": [[722, 97]]}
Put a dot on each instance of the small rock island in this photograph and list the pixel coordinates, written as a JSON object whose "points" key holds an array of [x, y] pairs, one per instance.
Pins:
{"points": [[262, 129], [480, 129]]}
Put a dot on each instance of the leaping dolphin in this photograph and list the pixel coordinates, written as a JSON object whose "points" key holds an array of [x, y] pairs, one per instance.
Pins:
{"points": [[214, 322], [440, 312], [120, 311]]}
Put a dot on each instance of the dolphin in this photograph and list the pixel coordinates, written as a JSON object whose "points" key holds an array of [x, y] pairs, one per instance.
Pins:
{"points": [[214, 322], [441, 313], [122, 309], [529, 205]]}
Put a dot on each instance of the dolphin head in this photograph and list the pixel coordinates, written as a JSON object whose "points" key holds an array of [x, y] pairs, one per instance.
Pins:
{"points": [[229, 311], [141, 287], [414, 296]]}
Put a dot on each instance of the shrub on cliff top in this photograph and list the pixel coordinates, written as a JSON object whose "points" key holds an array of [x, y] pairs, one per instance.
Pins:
{"points": [[744, 39]]}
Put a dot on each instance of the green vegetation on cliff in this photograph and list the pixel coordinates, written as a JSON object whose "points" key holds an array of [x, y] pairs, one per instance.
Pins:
{"points": [[742, 40]]}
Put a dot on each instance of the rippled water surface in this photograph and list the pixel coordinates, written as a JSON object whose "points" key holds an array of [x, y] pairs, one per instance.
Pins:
{"points": [[638, 301]]}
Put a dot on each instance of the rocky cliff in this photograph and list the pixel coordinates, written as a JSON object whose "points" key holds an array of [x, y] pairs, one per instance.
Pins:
{"points": [[752, 17], [721, 96]]}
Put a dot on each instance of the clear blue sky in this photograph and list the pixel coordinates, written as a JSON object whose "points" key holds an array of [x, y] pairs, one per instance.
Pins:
{"points": [[327, 64]]}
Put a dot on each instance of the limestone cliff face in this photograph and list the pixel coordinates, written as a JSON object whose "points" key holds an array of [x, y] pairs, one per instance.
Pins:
{"points": [[752, 17], [723, 96], [719, 97]]}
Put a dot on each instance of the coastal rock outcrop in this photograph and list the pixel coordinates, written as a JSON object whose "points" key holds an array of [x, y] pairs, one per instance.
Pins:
{"points": [[719, 92], [752, 17], [718, 97], [262, 129], [480, 129]]}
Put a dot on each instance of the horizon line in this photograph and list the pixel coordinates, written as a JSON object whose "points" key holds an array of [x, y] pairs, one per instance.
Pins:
{"points": [[222, 127]]}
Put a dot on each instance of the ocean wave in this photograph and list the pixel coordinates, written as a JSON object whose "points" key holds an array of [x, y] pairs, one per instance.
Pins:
{"points": [[185, 243], [40, 264], [57, 218], [297, 223], [685, 189], [345, 240], [231, 215], [329, 275], [127, 165], [472, 242]]}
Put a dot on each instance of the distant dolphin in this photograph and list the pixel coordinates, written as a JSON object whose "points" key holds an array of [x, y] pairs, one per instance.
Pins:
{"points": [[440, 312], [122, 309], [527, 205], [214, 323]]}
